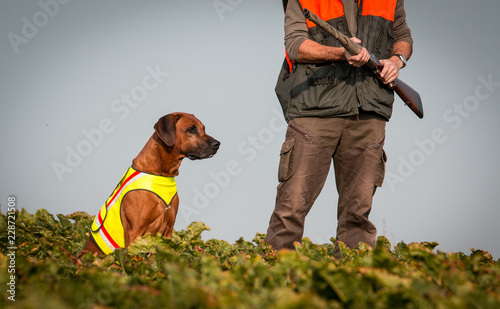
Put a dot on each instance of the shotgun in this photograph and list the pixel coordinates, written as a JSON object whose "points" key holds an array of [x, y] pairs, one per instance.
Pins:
{"points": [[410, 97]]}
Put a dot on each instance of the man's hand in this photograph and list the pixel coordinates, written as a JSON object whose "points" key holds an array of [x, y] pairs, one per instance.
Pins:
{"points": [[359, 59], [390, 71]]}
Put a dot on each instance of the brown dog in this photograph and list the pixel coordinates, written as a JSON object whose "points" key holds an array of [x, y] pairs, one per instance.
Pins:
{"points": [[143, 210]]}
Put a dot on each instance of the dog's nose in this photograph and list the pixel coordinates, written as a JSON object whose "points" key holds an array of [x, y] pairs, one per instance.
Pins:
{"points": [[215, 144]]}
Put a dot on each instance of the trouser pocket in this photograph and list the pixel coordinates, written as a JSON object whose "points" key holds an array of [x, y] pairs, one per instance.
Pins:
{"points": [[286, 160], [381, 170]]}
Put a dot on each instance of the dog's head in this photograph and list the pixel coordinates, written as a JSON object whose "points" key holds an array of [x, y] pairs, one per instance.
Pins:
{"points": [[187, 134]]}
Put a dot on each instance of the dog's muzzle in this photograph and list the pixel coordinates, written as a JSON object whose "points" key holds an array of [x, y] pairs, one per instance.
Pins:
{"points": [[207, 152]]}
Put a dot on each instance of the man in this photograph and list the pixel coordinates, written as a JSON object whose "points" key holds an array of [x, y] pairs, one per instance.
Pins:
{"points": [[336, 109]]}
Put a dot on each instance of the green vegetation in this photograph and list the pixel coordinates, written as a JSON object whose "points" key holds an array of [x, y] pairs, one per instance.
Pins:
{"points": [[187, 272]]}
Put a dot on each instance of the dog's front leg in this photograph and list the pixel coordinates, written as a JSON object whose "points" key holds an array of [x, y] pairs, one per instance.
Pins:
{"points": [[142, 213], [171, 214]]}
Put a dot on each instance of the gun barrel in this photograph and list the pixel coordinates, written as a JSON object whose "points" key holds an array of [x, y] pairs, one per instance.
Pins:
{"points": [[307, 13], [350, 46]]}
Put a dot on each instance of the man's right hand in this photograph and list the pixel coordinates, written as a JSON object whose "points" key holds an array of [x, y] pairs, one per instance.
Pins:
{"points": [[359, 59]]}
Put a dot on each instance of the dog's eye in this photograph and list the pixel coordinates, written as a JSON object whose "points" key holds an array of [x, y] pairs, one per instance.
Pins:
{"points": [[192, 130]]}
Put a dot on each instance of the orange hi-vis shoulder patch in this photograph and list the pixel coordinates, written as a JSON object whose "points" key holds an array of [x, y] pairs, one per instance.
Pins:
{"points": [[325, 10], [331, 9], [383, 8]]}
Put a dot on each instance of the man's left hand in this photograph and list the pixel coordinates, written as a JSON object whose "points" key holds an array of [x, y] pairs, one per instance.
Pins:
{"points": [[390, 70]]}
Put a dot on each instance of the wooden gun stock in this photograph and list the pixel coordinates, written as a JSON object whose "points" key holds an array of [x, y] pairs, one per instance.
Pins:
{"points": [[409, 96]]}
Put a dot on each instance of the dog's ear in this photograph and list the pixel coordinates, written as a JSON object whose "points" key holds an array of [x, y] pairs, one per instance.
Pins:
{"points": [[165, 128]]}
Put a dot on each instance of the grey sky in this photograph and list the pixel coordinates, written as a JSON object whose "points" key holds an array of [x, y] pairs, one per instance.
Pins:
{"points": [[83, 82]]}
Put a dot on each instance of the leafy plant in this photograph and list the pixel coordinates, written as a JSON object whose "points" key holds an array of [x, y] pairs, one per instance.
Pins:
{"points": [[188, 272]]}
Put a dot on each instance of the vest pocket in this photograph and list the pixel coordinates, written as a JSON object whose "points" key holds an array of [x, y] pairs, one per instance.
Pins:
{"points": [[324, 87], [285, 165]]}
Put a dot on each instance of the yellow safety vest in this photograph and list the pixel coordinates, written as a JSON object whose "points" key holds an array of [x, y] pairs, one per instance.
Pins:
{"points": [[107, 228]]}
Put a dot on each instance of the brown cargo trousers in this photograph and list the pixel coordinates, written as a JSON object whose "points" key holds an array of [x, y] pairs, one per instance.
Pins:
{"points": [[356, 145]]}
